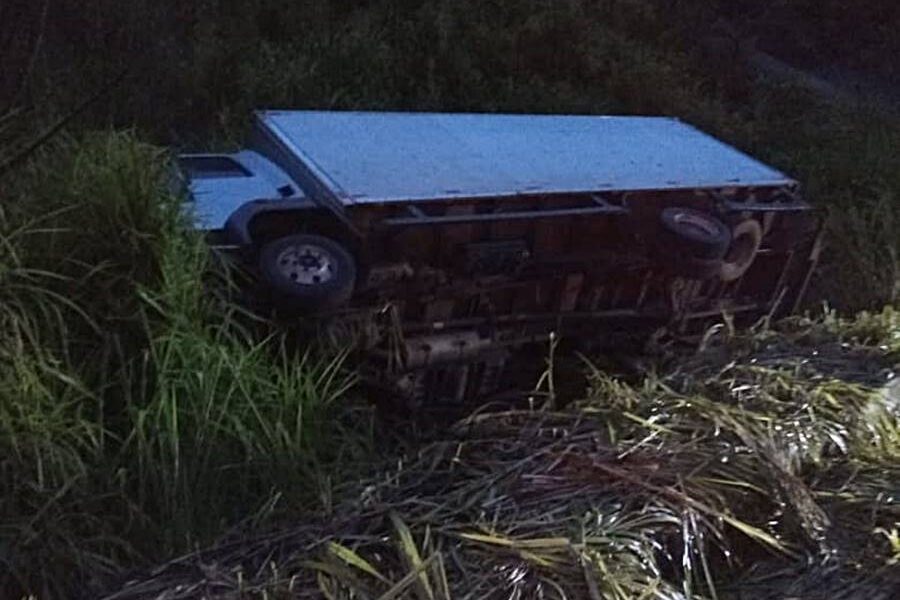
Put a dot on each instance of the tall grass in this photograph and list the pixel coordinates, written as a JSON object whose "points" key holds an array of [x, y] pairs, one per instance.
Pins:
{"points": [[138, 417]]}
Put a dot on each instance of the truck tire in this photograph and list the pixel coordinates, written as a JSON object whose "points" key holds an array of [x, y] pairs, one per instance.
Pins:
{"points": [[690, 243], [693, 233], [746, 239], [309, 272]]}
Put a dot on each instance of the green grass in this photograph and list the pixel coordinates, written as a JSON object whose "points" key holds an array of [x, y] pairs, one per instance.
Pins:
{"points": [[138, 416]]}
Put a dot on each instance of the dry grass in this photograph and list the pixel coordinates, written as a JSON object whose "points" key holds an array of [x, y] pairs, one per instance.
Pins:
{"points": [[763, 466]]}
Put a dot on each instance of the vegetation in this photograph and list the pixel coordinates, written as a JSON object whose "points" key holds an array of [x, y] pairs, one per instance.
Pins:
{"points": [[138, 416], [763, 465], [142, 415]]}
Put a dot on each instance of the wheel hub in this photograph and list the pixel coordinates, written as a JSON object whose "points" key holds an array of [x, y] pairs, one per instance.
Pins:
{"points": [[307, 264]]}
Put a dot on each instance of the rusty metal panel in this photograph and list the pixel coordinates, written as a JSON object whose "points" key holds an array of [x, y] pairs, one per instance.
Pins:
{"points": [[382, 157]]}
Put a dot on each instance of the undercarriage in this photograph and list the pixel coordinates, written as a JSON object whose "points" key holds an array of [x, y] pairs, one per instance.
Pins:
{"points": [[447, 334]]}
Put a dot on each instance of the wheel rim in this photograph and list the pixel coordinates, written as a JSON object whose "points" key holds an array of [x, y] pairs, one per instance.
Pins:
{"points": [[742, 250], [746, 239], [307, 264]]}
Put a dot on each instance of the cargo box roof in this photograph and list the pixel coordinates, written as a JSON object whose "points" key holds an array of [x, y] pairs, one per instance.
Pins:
{"points": [[380, 157]]}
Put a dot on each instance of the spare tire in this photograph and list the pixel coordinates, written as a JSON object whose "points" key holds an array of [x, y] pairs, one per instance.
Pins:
{"points": [[693, 233], [308, 271], [746, 239]]}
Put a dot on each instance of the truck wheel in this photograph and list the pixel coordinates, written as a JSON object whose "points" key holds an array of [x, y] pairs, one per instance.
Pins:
{"points": [[746, 239], [693, 233], [308, 271]]}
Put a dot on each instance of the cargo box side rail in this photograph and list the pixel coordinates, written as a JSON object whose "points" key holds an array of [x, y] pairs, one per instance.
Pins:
{"points": [[422, 213], [776, 200], [416, 213]]}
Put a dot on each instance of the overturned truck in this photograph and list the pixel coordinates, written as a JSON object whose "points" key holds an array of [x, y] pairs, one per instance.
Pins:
{"points": [[438, 243]]}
